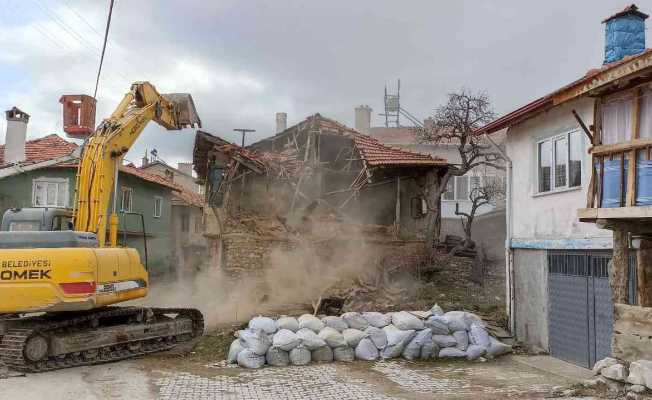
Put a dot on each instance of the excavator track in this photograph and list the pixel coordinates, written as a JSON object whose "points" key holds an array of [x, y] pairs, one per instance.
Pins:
{"points": [[27, 344]]}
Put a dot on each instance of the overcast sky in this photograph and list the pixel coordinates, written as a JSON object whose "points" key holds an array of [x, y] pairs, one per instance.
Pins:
{"points": [[243, 61]]}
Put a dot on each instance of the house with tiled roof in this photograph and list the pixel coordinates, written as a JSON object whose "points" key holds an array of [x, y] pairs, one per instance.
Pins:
{"points": [[577, 175], [315, 174], [189, 246], [42, 172]]}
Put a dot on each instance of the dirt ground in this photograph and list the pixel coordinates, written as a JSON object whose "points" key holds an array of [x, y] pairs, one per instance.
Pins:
{"points": [[175, 377]]}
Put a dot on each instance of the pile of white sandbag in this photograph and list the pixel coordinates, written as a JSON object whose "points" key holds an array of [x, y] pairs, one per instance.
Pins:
{"points": [[414, 335]]}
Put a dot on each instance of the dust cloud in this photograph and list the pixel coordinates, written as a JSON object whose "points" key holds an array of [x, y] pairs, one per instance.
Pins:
{"points": [[289, 278]]}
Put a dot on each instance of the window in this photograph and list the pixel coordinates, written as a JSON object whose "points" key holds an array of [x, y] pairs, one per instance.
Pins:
{"points": [[462, 187], [50, 192], [199, 225], [449, 194], [559, 162], [158, 204], [127, 199], [185, 223], [645, 127], [459, 187]]}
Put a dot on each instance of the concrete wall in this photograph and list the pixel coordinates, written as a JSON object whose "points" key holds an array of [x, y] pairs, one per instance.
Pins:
{"points": [[550, 215], [531, 297], [189, 249], [488, 231]]}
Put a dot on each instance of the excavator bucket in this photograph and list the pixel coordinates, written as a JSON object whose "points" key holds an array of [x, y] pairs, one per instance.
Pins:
{"points": [[185, 109]]}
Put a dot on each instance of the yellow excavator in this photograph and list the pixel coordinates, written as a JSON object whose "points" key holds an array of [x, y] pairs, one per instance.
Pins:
{"points": [[58, 289]]}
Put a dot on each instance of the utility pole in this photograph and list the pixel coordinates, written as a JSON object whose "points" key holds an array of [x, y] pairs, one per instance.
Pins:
{"points": [[244, 132]]}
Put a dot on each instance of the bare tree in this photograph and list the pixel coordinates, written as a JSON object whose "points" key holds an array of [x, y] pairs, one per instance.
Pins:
{"points": [[456, 123], [487, 193]]}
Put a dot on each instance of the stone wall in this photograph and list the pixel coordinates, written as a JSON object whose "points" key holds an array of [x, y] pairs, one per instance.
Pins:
{"points": [[250, 254], [632, 337]]}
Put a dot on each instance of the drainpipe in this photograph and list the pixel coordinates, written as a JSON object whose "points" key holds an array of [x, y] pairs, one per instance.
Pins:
{"points": [[509, 254]]}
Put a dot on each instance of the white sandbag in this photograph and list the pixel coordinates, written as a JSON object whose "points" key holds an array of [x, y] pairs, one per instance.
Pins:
{"points": [[277, 357], [429, 351], [377, 336], [256, 341], [235, 348], [479, 336], [497, 348], [345, 354], [289, 323], [261, 323], [309, 339], [322, 354], [463, 319], [474, 352], [436, 310], [353, 337], [456, 321], [366, 350], [286, 340], [412, 350], [462, 339], [444, 341], [376, 319], [332, 337], [248, 359], [355, 321], [438, 325], [311, 322], [300, 356], [451, 352], [334, 322], [396, 341], [405, 321]]}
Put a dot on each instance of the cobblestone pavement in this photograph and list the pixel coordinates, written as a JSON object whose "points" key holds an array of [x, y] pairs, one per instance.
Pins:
{"points": [[179, 379], [382, 380]]}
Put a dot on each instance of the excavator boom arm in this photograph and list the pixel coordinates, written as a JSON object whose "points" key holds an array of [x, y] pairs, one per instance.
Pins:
{"points": [[103, 152]]}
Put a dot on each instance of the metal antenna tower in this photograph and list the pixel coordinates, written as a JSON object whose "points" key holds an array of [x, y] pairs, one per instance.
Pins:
{"points": [[393, 110]]}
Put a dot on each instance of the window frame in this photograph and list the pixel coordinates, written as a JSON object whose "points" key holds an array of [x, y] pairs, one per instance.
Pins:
{"points": [[469, 186], [49, 181], [159, 200], [123, 190], [566, 135]]}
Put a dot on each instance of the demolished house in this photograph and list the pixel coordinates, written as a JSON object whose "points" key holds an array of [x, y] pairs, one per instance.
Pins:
{"points": [[317, 183]]}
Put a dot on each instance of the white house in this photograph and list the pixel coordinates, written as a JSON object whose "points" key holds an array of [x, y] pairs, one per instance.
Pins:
{"points": [[559, 298]]}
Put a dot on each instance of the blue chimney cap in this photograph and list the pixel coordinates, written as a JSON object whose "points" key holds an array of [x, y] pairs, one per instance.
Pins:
{"points": [[624, 34]]}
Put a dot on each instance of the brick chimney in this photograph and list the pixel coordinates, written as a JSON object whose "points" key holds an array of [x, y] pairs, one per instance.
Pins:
{"points": [[624, 34], [16, 135]]}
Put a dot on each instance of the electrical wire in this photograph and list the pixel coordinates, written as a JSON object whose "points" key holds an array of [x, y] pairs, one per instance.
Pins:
{"points": [[106, 35]]}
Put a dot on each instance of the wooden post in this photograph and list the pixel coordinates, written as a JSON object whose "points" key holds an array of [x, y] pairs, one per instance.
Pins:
{"points": [[619, 271], [644, 273], [397, 218], [631, 172]]}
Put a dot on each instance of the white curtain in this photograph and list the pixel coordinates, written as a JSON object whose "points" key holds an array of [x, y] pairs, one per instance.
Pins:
{"points": [[617, 120], [645, 127]]}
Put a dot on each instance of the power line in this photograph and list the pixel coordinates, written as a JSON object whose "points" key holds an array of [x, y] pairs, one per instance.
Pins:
{"points": [[106, 35]]}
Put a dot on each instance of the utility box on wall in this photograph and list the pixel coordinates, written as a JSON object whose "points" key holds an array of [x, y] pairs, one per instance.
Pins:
{"points": [[78, 115]]}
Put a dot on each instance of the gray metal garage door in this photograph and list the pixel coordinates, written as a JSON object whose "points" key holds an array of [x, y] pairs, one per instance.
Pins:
{"points": [[580, 305]]}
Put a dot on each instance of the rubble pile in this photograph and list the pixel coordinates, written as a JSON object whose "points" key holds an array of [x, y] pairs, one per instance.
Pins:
{"points": [[621, 376], [368, 336]]}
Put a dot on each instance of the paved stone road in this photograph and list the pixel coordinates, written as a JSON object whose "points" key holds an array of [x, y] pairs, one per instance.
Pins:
{"points": [[171, 379]]}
